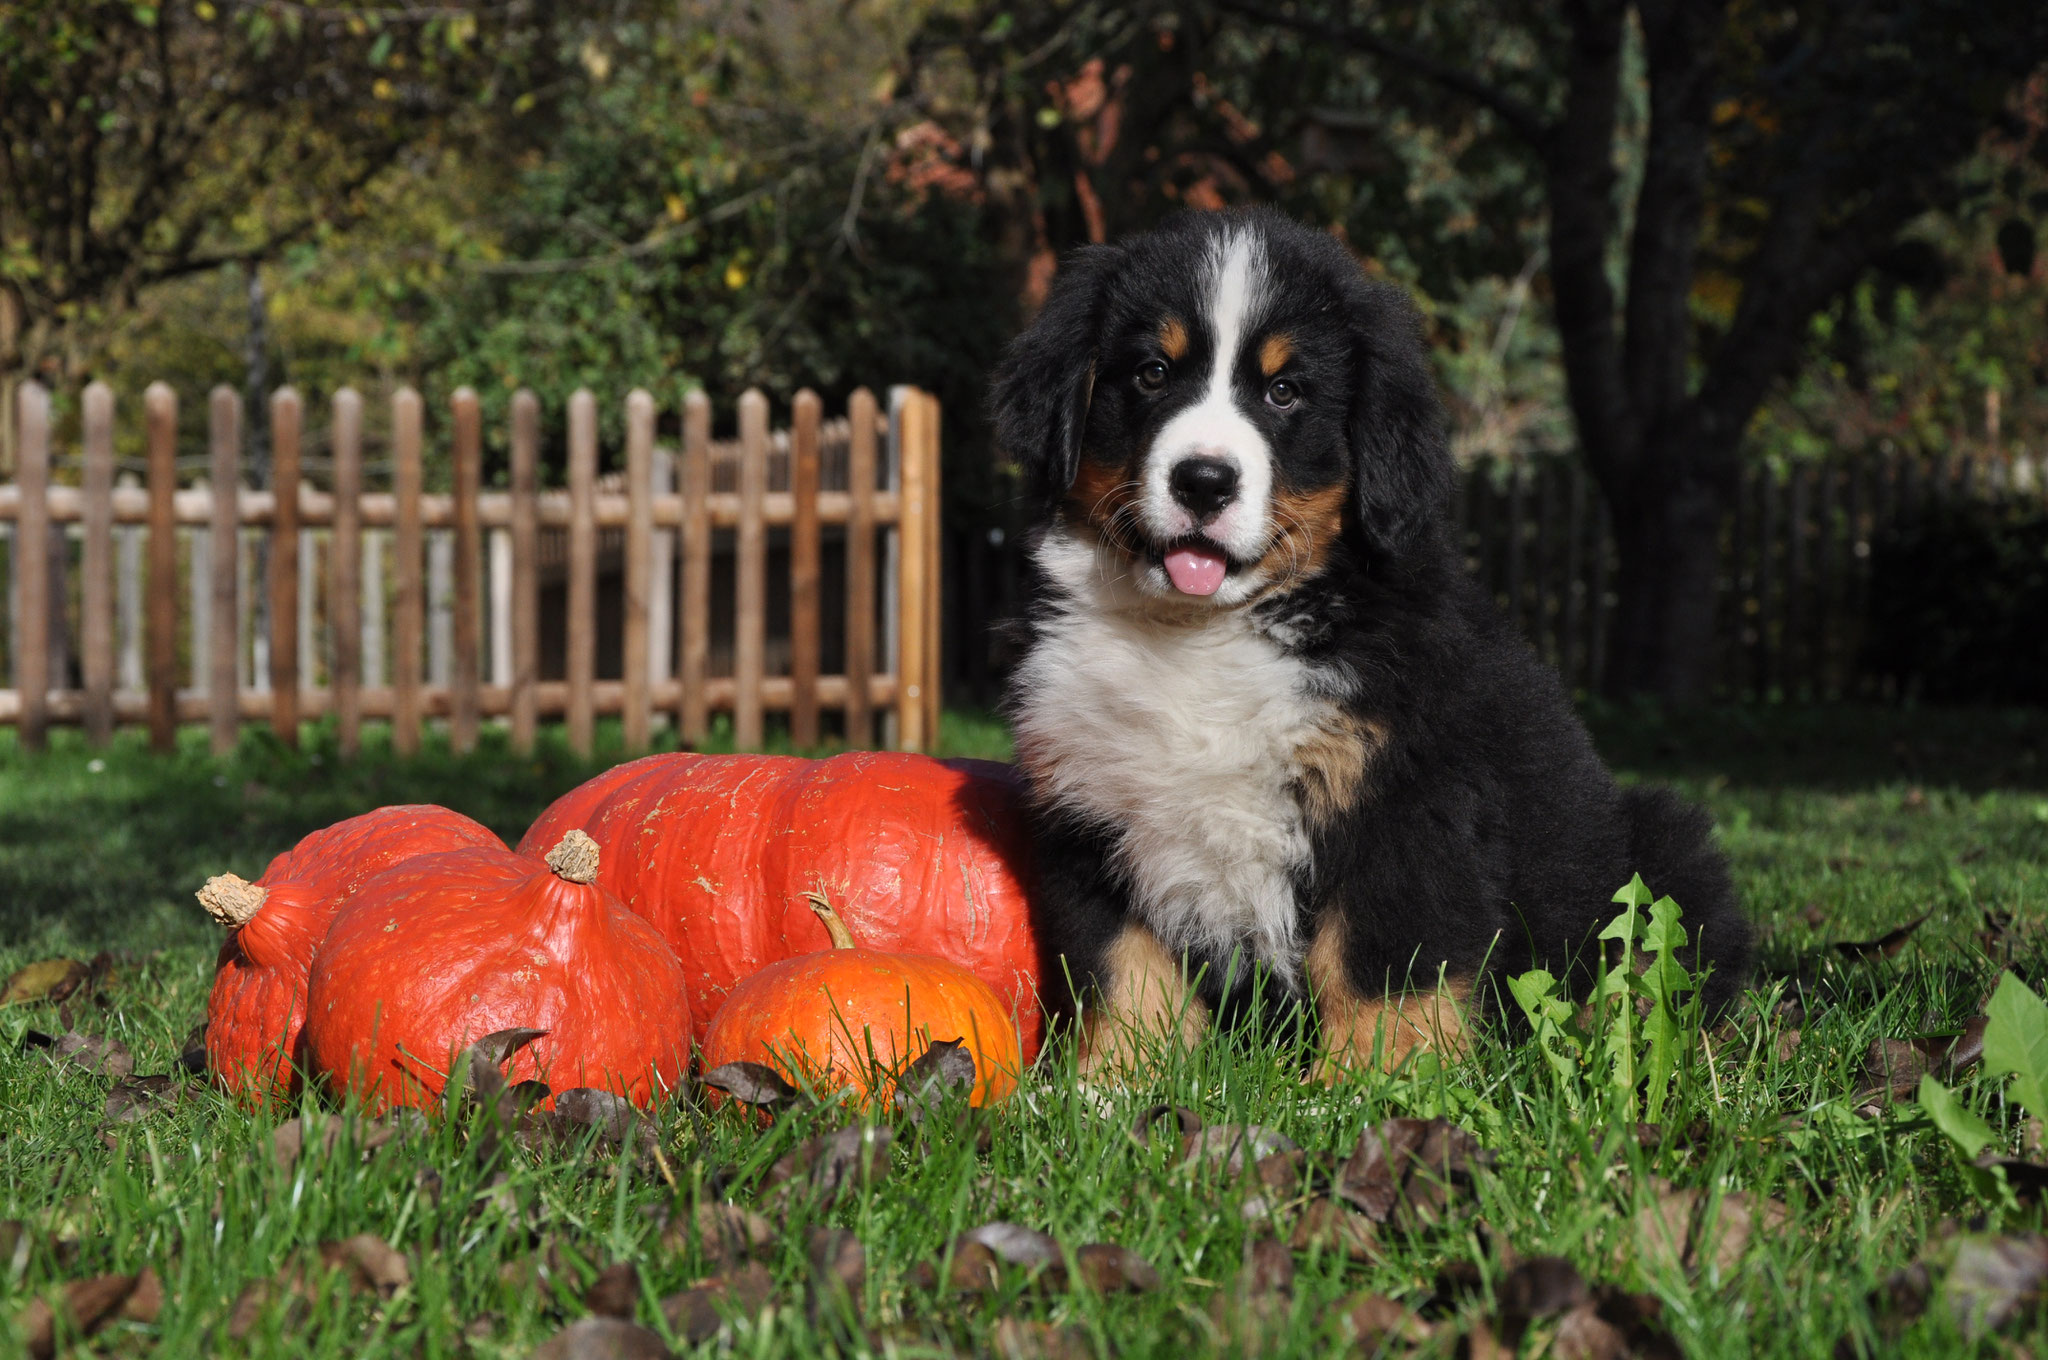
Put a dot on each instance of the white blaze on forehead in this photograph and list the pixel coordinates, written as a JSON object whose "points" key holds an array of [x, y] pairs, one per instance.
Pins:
{"points": [[1215, 426]]}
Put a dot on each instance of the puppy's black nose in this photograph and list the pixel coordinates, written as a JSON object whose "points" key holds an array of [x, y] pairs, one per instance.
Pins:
{"points": [[1203, 486]]}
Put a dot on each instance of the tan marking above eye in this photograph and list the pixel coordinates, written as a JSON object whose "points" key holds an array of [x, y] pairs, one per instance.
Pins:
{"points": [[1173, 339], [1274, 353]]}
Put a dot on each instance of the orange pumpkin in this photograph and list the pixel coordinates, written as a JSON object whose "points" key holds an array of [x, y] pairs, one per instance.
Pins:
{"points": [[442, 950], [258, 1003], [848, 1016], [718, 852]]}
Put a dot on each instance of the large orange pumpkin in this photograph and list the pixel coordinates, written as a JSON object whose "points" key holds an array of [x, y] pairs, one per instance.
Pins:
{"points": [[258, 1003], [442, 950], [927, 856], [848, 1016]]}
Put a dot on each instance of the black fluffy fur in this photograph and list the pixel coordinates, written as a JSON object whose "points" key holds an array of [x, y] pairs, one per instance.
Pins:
{"points": [[1488, 837]]}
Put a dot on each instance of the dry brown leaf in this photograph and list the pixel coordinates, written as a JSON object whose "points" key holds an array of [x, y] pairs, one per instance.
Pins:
{"points": [[725, 1232], [615, 1292], [838, 1261], [100, 1056], [369, 1263], [603, 1338], [1995, 1279], [1584, 1335], [1327, 1225], [1407, 1169], [1108, 1268], [834, 1163], [136, 1098], [1186, 1124], [87, 1305], [754, 1084], [699, 1313], [1541, 1287], [45, 980], [1885, 945], [1377, 1324], [1020, 1339], [972, 1268], [1232, 1146]]}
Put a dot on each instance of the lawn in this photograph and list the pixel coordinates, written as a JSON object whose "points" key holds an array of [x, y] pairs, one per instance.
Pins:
{"points": [[1795, 1193]]}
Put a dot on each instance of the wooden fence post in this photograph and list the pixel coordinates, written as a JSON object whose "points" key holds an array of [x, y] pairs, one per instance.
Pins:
{"points": [[912, 562], [408, 547], [692, 713], [160, 404], [804, 622], [468, 606], [96, 588], [223, 677], [934, 658], [344, 571], [32, 563], [582, 601], [860, 567], [285, 413], [750, 596], [638, 717], [525, 569]]}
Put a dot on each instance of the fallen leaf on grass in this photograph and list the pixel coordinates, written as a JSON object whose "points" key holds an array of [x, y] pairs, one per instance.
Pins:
{"points": [[833, 1163], [946, 1067], [1108, 1268], [839, 1263], [1541, 1287], [754, 1083], [1024, 1339], [192, 1052], [369, 1263], [45, 980], [1245, 1311], [1377, 1324], [135, 1098], [698, 1313], [1995, 1279], [1407, 1169], [588, 1107], [1681, 1229], [1582, 1334], [1885, 945], [87, 1305], [289, 1140], [1186, 1124], [1893, 1067], [1233, 1146], [725, 1233], [603, 1338], [615, 1292], [1011, 1244], [101, 1057], [1327, 1225]]}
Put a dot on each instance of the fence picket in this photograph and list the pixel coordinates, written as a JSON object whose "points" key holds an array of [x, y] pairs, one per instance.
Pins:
{"points": [[223, 564], [32, 564], [637, 720], [804, 620], [467, 605], [128, 672], [344, 572], [285, 412], [911, 564], [408, 552], [96, 578], [750, 608], [525, 534], [582, 600], [860, 564], [694, 659], [160, 405]]}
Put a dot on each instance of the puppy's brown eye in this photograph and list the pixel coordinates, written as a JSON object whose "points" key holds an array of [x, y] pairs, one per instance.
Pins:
{"points": [[1282, 393], [1152, 374]]}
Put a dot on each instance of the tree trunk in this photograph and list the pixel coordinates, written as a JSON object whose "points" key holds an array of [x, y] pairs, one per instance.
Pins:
{"points": [[1668, 541]]}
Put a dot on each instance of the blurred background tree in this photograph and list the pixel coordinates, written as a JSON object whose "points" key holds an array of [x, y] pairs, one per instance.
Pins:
{"points": [[1667, 235]]}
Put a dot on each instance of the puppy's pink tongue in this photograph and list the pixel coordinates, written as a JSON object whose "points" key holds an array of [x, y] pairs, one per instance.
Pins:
{"points": [[1195, 571]]}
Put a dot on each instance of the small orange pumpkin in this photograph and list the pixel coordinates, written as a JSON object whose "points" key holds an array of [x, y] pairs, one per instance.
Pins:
{"points": [[849, 1016]]}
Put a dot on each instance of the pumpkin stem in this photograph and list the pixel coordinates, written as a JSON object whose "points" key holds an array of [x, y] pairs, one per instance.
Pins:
{"points": [[842, 938], [230, 900], [574, 857]]}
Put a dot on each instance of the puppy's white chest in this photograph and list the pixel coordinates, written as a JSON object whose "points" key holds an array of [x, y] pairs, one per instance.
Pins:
{"points": [[1181, 739]]}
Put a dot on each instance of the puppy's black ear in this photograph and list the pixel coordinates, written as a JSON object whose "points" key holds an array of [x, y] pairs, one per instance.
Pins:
{"points": [[1401, 471], [1039, 401]]}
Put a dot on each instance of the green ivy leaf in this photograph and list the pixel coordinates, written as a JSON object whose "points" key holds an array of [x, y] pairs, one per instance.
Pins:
{"points": [[2016, 1042], [1962, 1125]]}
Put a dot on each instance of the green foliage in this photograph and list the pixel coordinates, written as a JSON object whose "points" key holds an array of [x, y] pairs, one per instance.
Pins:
{"points": [[1636, 1031], [2016, 1043]]}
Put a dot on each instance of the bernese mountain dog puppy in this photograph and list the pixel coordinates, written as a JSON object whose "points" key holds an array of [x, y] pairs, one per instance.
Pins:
{"points": [[1271, 729]]}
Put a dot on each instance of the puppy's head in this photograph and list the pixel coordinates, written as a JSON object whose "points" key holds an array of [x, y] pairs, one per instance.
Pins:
{"points": [[1216, 405]]}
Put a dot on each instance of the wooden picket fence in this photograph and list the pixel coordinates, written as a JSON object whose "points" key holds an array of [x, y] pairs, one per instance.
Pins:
{"points": [[351, 635], [1795, 560]]}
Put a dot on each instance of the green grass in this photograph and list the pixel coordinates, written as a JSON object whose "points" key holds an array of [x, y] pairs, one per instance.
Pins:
{"points": [[1843, 823]]}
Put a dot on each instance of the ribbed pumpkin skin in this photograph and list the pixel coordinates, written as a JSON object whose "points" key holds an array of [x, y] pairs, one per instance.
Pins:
{"points": [[918, 855], [441, 950], [258, 1003], [821, 1012]]}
